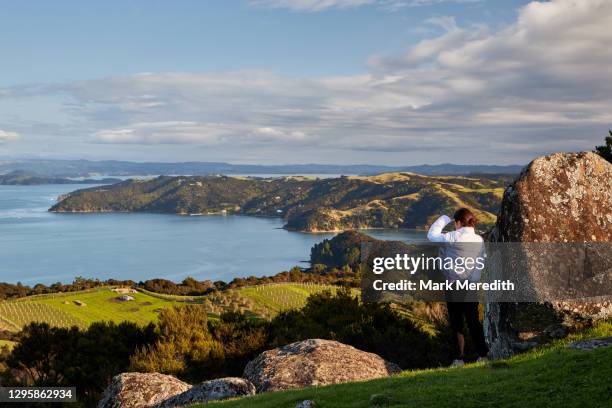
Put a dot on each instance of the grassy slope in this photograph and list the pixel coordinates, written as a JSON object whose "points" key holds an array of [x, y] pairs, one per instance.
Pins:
{"points": [[279, 297], [553, 376], [99, 306], [60, 309]]}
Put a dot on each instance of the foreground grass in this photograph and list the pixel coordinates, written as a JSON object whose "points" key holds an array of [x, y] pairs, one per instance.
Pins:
{"points": [[553, 376]]}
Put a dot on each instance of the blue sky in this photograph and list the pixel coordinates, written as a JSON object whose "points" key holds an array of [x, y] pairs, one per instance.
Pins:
{"points": [[288, 81], [66, 40]]}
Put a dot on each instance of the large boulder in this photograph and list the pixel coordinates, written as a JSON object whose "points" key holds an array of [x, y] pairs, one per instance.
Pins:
{"points": [[564, 197], [561, 198], [314, 362], [141, 390], [212, 390]]}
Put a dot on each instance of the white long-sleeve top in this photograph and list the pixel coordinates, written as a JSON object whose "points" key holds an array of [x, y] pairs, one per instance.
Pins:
{"points": [[462, 243]]}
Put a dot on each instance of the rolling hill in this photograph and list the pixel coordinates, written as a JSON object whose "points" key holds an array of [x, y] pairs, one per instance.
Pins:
{"points": [[391, 200], [85, 307]]}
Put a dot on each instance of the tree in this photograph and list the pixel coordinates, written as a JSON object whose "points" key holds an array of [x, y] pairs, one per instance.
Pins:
{"points": [[605, 150], [185, 347]]}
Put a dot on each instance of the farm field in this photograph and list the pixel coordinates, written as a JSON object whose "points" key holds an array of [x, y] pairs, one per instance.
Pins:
{"points": [[278, 297], [96, 305], [83, 308]]}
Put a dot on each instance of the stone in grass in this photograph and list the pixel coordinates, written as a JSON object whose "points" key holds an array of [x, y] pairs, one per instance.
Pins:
{"points": [[591, 344], [380, 400], [306, 404]]}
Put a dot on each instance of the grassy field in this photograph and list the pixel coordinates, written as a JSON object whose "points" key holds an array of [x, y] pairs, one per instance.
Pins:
{"points": [[553, 376], [17, 314], [100, 304], [277, 297]]}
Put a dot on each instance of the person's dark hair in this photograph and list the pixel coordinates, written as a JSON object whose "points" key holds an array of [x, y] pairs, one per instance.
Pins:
{"points": [[465, 217]]}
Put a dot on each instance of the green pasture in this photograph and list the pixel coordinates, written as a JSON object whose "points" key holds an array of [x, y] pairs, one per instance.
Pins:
{"points": [[85, 307]]}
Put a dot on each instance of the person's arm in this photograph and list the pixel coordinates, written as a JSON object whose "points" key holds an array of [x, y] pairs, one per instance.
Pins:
{"points": [[435, 231]]}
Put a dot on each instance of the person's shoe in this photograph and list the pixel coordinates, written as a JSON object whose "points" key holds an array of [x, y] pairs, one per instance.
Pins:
{"points": [[457, 363], [482, 360]]}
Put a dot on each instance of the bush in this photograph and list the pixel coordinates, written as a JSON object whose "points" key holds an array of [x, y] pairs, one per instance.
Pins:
{"points": [[372, 327], [85, 359], [184, 348]]}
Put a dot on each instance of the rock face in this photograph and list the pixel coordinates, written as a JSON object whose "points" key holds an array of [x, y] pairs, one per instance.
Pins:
{"points": [[218, 389], [314, 362], [561, 198], [564, 197], [140, 390]]}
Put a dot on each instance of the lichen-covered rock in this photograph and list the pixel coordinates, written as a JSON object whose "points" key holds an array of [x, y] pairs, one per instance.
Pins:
{"points": [[141, 390], [220, 388], [314, 362], [561, 198], [564, 197]]}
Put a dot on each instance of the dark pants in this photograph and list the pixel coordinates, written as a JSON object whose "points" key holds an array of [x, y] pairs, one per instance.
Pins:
{"points": [[457, 312]]}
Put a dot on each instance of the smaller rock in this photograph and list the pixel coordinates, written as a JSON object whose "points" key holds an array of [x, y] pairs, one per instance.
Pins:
{"points": [[591, 344], [306, 404], [140, 390], [220, 388]]}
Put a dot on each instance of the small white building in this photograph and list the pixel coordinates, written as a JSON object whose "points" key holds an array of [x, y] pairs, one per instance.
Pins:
{"points": [[125, 298]]}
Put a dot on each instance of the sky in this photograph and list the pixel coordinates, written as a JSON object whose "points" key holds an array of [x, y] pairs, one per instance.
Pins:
{"points": [[397, 82]]}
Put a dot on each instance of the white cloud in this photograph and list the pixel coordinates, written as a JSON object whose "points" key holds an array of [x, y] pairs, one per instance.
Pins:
{"points": [[171, 132], [6, 136], [538, 85], [448, 23]]}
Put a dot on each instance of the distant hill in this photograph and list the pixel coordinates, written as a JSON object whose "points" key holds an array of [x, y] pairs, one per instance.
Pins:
{"points": [[392, 200], [22, 178], [86, 168]]}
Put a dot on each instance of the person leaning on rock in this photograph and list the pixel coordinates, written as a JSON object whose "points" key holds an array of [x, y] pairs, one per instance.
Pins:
{"points": [[461, 243]]}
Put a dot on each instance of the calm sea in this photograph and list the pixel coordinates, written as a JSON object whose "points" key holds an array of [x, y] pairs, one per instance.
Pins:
{"points": [[38, 246]]}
